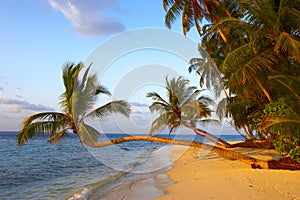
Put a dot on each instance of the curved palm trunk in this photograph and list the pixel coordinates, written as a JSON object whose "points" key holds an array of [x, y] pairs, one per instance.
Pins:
{"points": [[209, 136], [248, 134], [228, 154]]}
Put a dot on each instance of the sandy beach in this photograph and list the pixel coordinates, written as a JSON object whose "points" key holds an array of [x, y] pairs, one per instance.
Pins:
{"points": [[203, 175]]}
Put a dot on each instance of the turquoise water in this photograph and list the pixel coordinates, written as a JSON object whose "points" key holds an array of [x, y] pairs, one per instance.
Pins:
{"points": [[68, 170]]}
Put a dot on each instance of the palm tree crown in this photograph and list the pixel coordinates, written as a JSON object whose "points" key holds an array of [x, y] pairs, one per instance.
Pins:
{"points": [[77, 103], [183, 107]]}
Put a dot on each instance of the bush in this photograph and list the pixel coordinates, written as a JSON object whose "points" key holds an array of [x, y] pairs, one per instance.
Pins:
{"points": [[281, 121]]}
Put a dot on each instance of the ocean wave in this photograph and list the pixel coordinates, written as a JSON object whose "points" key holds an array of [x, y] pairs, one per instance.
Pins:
{"points": [[86, 191], [83, 195]]}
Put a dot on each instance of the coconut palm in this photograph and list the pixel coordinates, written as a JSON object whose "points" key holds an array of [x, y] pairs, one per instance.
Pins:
{"points": [[194, 12], [77, 104], [265, 42], [183, 107]]}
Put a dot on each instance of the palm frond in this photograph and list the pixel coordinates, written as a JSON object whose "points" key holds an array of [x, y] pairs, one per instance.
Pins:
{"points": [[290, 83], [187, 17], [48, 116], [117, 107], [159, 124], [195, 109], [246, 70], [222, 110], [83, 97], [191, 97], [87, 134], [70, 76], [289, 45], [167, 3], [102, 90], [156, 97], [159, 107], [271, 121], [173, 12], [39, 128], [56, 137]]}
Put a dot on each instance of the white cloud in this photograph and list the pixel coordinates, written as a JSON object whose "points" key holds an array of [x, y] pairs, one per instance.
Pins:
{"points": [[137, 104], [18, 105], [1, 88], [89, 16]]}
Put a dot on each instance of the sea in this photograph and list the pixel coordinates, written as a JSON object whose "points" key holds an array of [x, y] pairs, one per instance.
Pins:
{"points": [[70, 170]]}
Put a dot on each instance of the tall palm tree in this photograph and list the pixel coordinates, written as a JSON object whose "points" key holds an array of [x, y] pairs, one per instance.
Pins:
{"points": [[183, 107], [265, 43], [77, 103]]}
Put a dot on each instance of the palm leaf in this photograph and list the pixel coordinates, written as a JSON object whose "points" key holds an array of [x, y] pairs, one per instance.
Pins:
{"points": [[159, 107], [159, 124], [222, 108], [56, 137], [51, 116], [290, 83], [287, 44], [271, 121], [39, 128], [156, 97], [87, 134], [102, 90], [70, 76], [172, 12], [118, 107]]}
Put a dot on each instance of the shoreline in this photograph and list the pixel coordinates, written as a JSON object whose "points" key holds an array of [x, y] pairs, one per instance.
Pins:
{"points": [[146, 181], [203, 175]]}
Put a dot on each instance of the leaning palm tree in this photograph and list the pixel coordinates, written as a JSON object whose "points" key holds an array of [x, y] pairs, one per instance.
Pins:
{"points": [[183, 107], [77, 103]]}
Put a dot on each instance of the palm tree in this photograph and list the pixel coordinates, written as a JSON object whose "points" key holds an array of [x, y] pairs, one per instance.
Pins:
{"points": [[183, 107], [194, 12], [77, 103], [264, 43]]}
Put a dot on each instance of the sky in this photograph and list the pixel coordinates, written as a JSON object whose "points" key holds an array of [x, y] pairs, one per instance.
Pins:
{"points": [[39, 36]]}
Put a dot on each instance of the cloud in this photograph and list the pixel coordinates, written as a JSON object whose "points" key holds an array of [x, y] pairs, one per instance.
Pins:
{"points": [[89, 17], [1, 88], [19, 96], [18, 105], [137, 104]]}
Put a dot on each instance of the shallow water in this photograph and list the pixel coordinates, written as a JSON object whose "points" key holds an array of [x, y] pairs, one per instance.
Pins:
{"points": [[40, 170]]}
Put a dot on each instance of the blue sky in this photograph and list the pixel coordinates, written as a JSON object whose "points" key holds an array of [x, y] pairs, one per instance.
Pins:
{"points": [[39, 36]]}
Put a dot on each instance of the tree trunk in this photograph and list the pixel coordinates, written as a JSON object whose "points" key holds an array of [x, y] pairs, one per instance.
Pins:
{"points": [[225, 153], [248, 134], [208, 136], [254, 143]]}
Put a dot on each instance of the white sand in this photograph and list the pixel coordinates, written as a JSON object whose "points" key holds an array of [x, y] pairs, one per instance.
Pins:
{"points": [[210, 177]]}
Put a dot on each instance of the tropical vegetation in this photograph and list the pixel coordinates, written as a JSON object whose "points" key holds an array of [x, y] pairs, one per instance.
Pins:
{"points": [[183, 107], [249, 52], [77, 102], [255, 46]]}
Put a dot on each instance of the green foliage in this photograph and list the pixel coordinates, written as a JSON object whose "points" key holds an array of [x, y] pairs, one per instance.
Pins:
{"points": [[183, 105], [281, 119], [255, 45], [78, 103]]}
